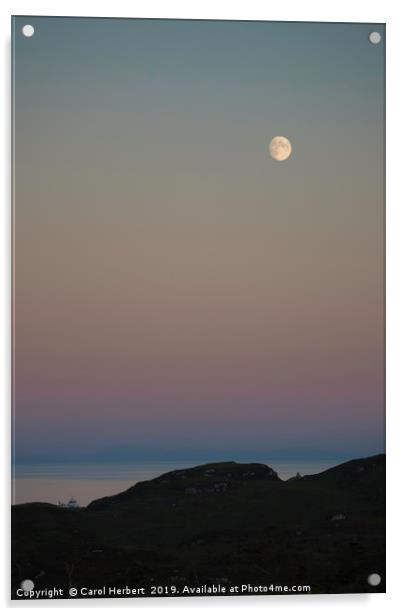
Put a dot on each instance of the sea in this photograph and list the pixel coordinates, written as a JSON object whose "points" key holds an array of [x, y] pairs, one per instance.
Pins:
{"points": [[85, 482]]}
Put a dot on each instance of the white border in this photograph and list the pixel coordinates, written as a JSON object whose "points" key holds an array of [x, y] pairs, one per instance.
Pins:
{"points": [[291, 10]]}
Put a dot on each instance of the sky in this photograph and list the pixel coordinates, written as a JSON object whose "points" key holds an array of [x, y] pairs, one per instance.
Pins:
{"points": [[175, 289]]}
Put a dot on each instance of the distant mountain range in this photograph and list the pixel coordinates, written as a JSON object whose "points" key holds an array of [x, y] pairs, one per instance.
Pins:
{"points": [[221, 523], [153, 453]]}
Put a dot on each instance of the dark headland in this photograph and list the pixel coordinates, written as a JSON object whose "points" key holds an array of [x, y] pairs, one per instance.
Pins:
{"points": [[222, 523]]}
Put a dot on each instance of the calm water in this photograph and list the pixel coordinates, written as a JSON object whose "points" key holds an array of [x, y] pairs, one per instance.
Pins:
{"points": [[52, 483]]}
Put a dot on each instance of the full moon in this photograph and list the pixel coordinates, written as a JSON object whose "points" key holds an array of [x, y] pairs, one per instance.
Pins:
{"points": [[280, 148]]}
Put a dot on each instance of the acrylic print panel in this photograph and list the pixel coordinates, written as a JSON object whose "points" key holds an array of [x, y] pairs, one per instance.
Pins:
{"points": [[198, 308]]}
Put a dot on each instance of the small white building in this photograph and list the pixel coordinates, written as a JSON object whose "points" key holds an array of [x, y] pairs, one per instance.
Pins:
{"points": [[338, 516], [71, 503]]}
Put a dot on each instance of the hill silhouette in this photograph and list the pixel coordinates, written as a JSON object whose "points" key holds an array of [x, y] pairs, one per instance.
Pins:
{"points": [[220, 523]]}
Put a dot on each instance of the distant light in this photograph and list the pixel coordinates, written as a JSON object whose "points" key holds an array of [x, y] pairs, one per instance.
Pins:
{"points": [[375, 38], [28, 30], [27, 585], [374, 579]]}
